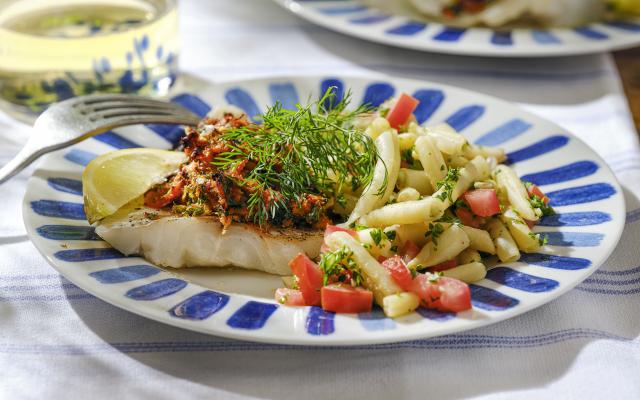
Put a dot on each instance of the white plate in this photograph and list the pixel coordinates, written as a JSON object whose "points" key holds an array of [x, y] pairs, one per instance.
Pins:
{"points": [[354, 18], [240, 304]]}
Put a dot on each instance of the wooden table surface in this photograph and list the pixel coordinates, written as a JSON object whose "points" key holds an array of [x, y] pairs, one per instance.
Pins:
{"points": [[629, 65]]}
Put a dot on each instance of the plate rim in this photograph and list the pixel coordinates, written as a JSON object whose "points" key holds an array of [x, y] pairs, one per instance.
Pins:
{"points": [[328, 340]]}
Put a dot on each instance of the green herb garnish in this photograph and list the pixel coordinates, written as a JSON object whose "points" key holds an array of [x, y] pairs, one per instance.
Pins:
{"points": [[537, 202], [376, 235], [340, 266], [448, 184], [435, 230]]}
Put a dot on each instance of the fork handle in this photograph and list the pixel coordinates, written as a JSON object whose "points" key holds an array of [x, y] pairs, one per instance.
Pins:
{"points": [[26, 156]]}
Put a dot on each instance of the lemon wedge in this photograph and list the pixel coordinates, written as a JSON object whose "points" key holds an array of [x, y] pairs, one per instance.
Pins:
{"points": [[114, 179]]}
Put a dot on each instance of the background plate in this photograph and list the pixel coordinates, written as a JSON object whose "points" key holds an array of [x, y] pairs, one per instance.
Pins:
{"points": [[239, 304], [354, 18]]}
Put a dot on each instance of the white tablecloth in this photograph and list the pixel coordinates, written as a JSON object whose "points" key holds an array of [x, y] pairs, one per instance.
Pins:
{"points": [[58, 342]]}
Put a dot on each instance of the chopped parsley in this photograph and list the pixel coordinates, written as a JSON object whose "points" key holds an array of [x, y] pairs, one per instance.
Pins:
{"points": [[537, 202], [391, 235], [542, 239], [435, 230], [448, 184], [394, 248], [449, 219], [376, 235], [340, 266]]}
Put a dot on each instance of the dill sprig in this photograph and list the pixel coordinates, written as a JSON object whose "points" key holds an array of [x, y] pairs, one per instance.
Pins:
{"points": [[311, 150]]}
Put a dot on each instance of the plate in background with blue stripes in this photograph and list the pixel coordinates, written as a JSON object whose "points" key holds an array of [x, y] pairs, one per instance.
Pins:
{"points": [[395, 28], [239, 304]]}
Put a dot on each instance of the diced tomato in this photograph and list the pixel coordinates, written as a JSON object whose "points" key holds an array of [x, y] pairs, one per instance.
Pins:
{"points": [[483, 202], [402, 110], [410, 251], [382, 259], [534, 190], [399, 271], [444, 266], [467, 218], [309, 278], [443, 293], [343, 298], [290, 297]]}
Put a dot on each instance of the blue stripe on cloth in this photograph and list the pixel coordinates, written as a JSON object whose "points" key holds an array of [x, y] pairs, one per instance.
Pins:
{"points": [[243, 99], [465, 117], [338, 90], [581, 194], [565, 173], [114, 140], [633, 216], [449, 34], [591, 33], [435, 315], [624, 25], [156, 290], [80, 157], [252, 315], [556, 262], [610, 292], [68, 232], [521, 281], [610, 282], [504, 133], [430, 100], [58, 209], [125, 274], [285, 94], [377, 93], [81, 255], [490, 299], [630, 271], [173, 133], [376, 321], [370, 19], [320, 322], [537, 149], [544, 37], [200, 306], [575, 219], [407, 29], [502, 38], [573, 239], [449, 342], [66, 185]]}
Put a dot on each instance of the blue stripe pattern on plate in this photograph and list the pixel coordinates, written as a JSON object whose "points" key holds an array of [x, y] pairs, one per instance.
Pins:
{"points": [[565, 173], [521, 281], [377, 93], [285, 93], [624, 25], [370, 20], [68, 232], [200, 306], [252, 315], [114, 140], [573, 239], [581, 194], [465, 117], [555, 262], [490, 299], [242, 99], [173, 133], [430, 100], [435, 315], [575, 219], [58, 209], [81, 255], [80, 157], [501, 38], [156, 290], [320, 322], [537, 149], [342, 10], [338, 91], [591, 33], [504, 133], [375, 320], [449, 34], [66, 185], [408, 29], [125, 274], [544, 37]]}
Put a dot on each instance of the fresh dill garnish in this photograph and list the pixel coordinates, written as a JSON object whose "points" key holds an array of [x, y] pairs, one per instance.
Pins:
{"points": [[537, 202], [435, 230], [340, 266], [391, 235], [313, 149], [448, 184], [376, 235]]}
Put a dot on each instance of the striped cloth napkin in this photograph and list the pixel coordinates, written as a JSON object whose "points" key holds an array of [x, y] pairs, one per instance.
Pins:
{"points": [[57, 341]]}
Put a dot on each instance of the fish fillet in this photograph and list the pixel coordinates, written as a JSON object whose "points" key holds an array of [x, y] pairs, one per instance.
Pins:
{"points": [[173, 241]]}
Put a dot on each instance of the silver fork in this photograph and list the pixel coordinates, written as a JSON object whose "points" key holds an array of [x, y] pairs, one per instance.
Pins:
{"points": [[74, 120]]}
